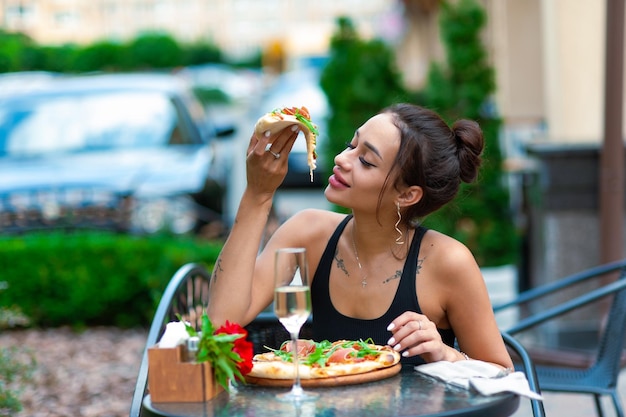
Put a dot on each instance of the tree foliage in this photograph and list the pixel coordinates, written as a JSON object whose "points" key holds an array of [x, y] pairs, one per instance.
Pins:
{"points": [[201, 53], [154, 50], [359, 80], [15, 50], [100, 56], [462, 88]]}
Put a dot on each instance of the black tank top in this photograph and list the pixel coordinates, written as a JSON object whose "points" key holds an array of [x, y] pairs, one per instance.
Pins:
{"points": [[329, 324]]}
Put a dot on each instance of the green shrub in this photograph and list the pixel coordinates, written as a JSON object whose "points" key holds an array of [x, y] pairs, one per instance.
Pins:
{"points": [[16, 368], [359, 80], [93, 278], [12, 316], [480, 216]]}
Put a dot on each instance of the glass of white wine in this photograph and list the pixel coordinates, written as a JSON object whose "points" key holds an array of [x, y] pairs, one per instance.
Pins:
{"points": [[292, 306]]}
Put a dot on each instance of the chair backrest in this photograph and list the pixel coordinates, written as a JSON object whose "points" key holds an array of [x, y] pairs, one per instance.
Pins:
{"points": [[606, 365], [187, 295], [529, 369], [611, 342]]}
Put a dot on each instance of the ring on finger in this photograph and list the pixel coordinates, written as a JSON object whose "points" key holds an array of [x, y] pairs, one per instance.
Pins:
{"points": [[268, 148]]}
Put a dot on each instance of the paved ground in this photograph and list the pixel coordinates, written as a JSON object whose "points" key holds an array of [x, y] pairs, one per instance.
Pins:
{"points": [[86, 374], [573, 405]]}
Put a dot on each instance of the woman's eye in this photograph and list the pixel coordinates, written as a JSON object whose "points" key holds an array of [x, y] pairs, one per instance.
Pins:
{"points": [[349, 145], [364, 162]]}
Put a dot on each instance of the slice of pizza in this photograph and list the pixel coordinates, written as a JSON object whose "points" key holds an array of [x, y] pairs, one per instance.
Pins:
{"points": [[318, 360], [278, 119]]}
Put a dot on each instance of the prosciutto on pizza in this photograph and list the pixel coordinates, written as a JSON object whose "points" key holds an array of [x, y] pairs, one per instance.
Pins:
{"points": [[324, 360]]}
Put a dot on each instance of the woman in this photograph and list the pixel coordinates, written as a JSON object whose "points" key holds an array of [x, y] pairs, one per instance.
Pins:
{"points": [[375, 273]]}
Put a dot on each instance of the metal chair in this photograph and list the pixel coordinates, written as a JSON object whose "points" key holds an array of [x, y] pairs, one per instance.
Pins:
{"points": [[600, 376], [187, 295], [529, 369]]}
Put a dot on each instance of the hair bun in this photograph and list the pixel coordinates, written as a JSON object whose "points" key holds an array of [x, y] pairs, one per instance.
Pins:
{"points": [[470, 144]]}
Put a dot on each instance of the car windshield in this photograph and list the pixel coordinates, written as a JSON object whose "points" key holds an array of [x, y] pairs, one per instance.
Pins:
{"points": [[64, 124]]}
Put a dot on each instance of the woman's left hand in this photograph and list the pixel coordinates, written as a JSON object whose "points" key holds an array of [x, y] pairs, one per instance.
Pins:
{"points": [[414, 334]]}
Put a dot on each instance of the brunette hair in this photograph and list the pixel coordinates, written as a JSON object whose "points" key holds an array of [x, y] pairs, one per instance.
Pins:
{"points": [[434, 156]]}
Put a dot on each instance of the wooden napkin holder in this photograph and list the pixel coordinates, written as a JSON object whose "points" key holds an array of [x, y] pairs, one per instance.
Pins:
{"points": [[171, 379]]}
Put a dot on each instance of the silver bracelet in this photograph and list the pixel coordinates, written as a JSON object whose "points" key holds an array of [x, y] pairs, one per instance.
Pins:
{"points": [[467, 358]]}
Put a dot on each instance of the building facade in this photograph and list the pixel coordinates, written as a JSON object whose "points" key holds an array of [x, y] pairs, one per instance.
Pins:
{"points": [[239, 27]]}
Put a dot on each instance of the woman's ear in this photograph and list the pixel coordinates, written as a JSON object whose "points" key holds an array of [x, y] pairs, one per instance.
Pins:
{"points": [[410, 195]]}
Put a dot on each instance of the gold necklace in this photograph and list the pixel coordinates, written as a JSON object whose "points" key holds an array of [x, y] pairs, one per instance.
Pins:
{"points": [[358, 261]]}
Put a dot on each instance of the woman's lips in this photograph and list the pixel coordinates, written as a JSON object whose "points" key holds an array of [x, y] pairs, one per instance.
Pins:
{"points": [[336, 180]]}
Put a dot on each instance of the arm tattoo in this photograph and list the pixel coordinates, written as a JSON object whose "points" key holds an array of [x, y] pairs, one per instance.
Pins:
{"points": [[340, 263], [217, 268]]}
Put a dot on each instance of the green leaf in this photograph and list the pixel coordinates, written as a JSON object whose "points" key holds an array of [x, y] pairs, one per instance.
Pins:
{"points": [[307, 123]]}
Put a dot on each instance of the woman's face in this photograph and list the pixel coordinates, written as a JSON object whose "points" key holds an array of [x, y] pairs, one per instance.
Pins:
{"points": [[361, 169]]}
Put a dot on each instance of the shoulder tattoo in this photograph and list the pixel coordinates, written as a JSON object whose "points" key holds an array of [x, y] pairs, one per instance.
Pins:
{"points": [[340, 263], [419, 265], [396, 275]]}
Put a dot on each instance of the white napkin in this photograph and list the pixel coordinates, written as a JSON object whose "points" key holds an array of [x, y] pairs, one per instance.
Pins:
{"points": [[175, 334], [484, 377]]}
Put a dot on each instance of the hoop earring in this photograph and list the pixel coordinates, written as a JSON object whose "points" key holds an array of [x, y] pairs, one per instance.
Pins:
{"points": [[399, 240]]}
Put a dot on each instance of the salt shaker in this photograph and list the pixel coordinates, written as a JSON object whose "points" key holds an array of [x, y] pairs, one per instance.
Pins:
{"points": [[193, 344]]}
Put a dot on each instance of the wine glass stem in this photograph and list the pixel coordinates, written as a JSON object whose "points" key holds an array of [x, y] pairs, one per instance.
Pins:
{"points": [[296, 389]]}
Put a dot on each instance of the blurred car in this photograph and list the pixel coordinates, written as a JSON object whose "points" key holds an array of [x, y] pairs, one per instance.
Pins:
{"points": [[19, 81], [300, 88], [237, 84], [128, 152]]}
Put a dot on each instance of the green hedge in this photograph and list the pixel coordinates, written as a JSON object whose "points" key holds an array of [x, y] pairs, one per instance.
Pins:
{"points": [[147, 51], [93, 278]]}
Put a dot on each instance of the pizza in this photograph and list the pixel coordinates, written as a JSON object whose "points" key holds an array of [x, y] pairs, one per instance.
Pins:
{"points": [[319, 360], [278, 119]]}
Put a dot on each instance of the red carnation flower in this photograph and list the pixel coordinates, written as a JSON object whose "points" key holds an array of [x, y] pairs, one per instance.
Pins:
{"points": [[226, 349], [241, 346]]}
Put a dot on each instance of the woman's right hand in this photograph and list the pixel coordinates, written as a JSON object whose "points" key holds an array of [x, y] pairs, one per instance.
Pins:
{"points": [[266, 161]]}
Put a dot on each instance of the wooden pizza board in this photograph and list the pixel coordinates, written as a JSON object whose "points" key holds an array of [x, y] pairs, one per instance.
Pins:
{"points": [[330, 381]]}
